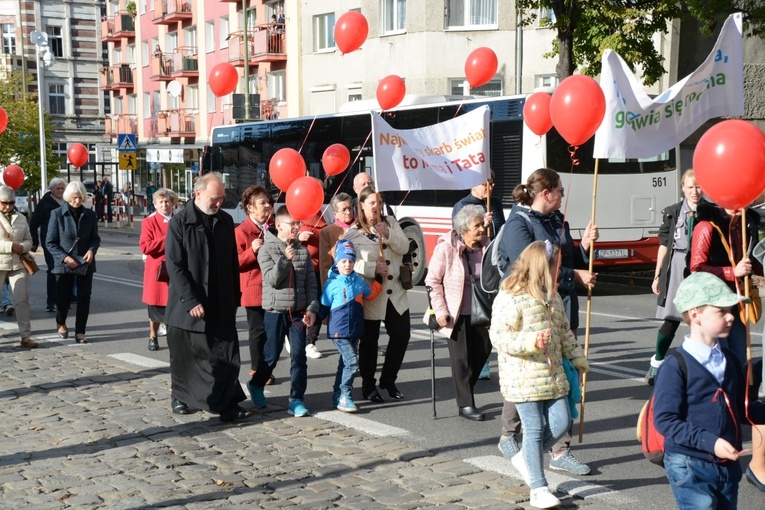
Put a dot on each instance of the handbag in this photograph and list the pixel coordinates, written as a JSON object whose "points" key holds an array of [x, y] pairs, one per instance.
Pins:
{"points": [[162, 275], [480, 301], [82, 267], [405, 275], [29, 263]]}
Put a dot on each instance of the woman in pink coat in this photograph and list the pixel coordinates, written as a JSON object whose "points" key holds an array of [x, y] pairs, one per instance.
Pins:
{"points": [[152, 243], [455, 264]]}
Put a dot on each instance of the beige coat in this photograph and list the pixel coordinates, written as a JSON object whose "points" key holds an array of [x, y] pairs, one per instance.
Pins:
{"points": [[18, 229], [367, 255]]}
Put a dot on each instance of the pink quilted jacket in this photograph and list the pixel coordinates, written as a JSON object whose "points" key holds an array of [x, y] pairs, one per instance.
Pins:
{"points": [[446, 274]]}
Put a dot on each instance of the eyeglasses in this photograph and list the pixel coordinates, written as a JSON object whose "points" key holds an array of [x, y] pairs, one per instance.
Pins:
{"points": [[293, 224], [12, 202], [345, 210]]}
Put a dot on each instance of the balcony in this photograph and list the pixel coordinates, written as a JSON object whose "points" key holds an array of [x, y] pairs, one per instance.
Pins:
{"points": [[118, 77], [266, 44], [114, 28], [161, 64], [182, 63], [177, 122], [120, 123], [171, 11]]}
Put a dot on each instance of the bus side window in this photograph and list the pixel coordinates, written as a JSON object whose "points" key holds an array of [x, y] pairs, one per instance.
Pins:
{"points": [[212, 160]]}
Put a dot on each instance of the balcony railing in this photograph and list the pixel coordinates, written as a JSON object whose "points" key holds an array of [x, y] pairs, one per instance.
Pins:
{"points": [[266, 44], [113, 28], [177, 122], [117, 76], [182, 62], [171, 11], [161, 66], [120, 123]]}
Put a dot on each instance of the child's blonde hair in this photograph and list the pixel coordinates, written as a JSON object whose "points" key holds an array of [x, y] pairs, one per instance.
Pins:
{"points": [[534, 272]]}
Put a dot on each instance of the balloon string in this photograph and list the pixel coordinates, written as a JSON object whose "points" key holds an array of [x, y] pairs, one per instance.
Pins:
{"points": [[300, 150], [347, 173], [402, 200], [562, 235]]}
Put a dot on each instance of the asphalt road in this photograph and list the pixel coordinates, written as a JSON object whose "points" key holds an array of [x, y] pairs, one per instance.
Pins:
{"points": [[622, 339]]}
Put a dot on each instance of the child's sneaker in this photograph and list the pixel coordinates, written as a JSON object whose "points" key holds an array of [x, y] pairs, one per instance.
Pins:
{"points": [[542, 498], [508, 446], [297, 409], [346, 405], [256, 395]]}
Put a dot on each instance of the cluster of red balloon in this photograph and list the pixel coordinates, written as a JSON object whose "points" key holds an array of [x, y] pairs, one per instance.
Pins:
{"points": [[305, 195], [13, 175], [729, 162], [576, 109]]}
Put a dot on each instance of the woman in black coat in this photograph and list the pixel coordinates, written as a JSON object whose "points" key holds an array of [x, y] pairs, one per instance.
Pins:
{"points": [[73, 241]]}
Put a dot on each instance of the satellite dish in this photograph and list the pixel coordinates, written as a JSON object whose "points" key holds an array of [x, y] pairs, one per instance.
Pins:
{"points": [[174, 88], [38, 38]]}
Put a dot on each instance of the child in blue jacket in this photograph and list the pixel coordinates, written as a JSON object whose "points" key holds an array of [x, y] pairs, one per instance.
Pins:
{"points": [[341, 300], [700, 413]]}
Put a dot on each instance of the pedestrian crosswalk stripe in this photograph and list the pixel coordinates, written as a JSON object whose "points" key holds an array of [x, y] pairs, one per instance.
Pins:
{"points": [[140, 360]]}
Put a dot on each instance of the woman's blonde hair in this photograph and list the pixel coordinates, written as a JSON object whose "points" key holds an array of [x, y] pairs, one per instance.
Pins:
{"points": [[534, 271]]}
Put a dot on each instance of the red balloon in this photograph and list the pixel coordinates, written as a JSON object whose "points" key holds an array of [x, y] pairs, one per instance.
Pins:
{"points": [[390, 91], [13, 176], [351, 30], [729, 162], [481, 66], [78, 154], [577, 108], [536, 113], [223, 79], [335, 159], [305, 198], [285, 167], [3, 120]]}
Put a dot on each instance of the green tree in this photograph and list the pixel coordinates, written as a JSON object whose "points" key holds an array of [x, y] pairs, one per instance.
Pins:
{"points": [[20, 142], [584, 29]]}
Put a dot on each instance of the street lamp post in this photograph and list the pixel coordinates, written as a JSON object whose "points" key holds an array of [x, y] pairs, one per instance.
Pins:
{"points": [[44, 57]]}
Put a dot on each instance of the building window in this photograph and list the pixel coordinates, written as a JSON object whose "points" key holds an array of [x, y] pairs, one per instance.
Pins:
{"points": [[155, 104], [547, 80], [223, 32], [471, 13], [192, 97], [145, 106], [145, 53], [9, 39], [275, 84], [354, 94], [324, 32], [60, 149], [190, 38], [210, 36], [211, 100], [393, 16], [56, 99], [132, 107], [55, 41], [461, 87], [546, 17]]}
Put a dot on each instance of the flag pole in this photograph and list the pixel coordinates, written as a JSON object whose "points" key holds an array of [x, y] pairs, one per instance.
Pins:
{"points": [[747, 306], [589, 305], [488, 206]]}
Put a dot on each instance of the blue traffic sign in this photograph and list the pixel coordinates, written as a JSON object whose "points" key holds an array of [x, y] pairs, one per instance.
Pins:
{"points": [[126, 143]]}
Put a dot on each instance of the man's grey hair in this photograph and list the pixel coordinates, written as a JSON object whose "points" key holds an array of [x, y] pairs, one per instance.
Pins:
{"points": [[466, 216], [340, 197], [203, 180], [7, 194], [55, 182]]}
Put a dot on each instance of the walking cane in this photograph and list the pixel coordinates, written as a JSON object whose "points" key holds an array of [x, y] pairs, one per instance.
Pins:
{"points": [[433, 325]]}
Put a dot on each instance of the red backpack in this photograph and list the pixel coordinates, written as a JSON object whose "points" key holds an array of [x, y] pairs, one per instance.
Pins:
{"points": [[649, 437]]}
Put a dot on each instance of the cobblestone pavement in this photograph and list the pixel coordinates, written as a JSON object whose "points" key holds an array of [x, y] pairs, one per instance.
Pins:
{"points": [[84, 430]]}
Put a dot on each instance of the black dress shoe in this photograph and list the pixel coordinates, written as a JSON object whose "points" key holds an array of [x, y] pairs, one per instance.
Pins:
{"points": [[180, 408], [471, 413], [153, 344], [392, 391], [233, 414], [374, 396]]}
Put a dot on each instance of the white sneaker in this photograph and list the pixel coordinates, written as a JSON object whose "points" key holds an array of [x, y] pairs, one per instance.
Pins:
{"points": [[312, 352], [519, 463], [162, 330], [543, 498]]}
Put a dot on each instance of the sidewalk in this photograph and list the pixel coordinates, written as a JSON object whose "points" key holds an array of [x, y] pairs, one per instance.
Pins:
{"points": [[88, 431]]}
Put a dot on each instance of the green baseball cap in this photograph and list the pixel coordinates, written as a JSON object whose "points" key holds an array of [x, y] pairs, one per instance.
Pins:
{"points": [[702, 289]]}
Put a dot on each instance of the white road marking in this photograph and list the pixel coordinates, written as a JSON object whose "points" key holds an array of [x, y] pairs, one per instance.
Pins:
{"points": [[142, 361], [362, 424]]}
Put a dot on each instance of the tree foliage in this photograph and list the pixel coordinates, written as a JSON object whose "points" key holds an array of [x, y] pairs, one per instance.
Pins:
{"points": [[584, 29], [20, 142]]}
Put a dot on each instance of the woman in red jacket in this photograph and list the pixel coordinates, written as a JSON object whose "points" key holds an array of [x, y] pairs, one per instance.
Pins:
{"points": [[249, 239], [152, 243]]}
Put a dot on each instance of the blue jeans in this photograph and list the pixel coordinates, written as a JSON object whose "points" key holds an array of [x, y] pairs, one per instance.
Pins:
{"points": [[5, 300], [277, 325], [346, 365], [699, 485], [543, 423]]}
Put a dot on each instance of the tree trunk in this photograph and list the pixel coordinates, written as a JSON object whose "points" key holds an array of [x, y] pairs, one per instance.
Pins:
{"points": [[566, 66]]}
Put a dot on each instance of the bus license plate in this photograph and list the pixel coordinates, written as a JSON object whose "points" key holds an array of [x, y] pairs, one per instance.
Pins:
{"points": [[612, 254]]}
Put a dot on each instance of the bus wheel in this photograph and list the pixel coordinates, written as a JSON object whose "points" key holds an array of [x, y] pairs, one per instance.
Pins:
{"points": [[417, 251]]}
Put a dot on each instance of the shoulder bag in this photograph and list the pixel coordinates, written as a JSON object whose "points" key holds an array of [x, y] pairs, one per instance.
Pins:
{"points": [[162, 275], [26, 258], [480, 301], [82, 267]]}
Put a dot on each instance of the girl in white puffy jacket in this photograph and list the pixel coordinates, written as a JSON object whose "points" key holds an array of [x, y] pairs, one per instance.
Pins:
{"points": [[531, 334]]}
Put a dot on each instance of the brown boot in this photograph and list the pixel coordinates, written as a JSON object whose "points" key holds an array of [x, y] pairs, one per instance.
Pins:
{"points": [[29, 343]]}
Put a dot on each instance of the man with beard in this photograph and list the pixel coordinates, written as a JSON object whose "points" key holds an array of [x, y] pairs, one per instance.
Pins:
{"points": [[201, 310]]}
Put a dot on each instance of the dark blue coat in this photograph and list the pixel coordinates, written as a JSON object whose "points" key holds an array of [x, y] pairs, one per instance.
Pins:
{"points": [[63, 232]]}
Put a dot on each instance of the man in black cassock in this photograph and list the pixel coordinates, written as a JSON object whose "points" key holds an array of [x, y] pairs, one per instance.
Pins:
{"points": [[201, 308]]}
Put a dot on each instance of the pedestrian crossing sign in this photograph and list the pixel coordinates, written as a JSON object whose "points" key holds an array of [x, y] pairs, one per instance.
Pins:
{"points": [[126, 143]]}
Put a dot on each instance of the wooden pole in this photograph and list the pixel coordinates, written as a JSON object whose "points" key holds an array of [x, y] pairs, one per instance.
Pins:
{"points": [[488, 206], [589, 305], [747, 306]]}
